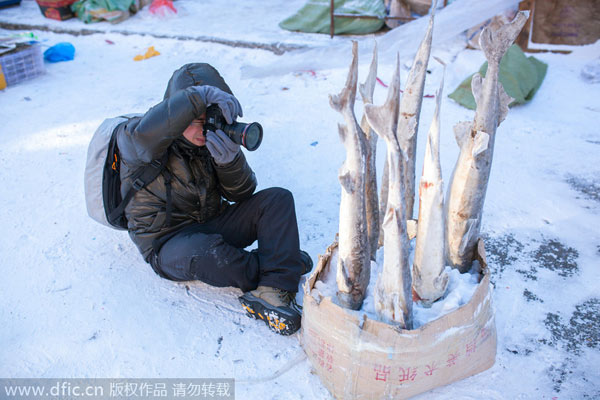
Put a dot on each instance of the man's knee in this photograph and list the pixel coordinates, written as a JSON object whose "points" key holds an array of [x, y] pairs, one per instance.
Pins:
{"points": [[179, 257], [280, 195]]}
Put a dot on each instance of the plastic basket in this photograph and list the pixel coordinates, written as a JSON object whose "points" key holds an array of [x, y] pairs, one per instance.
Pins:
{"points": [[24, 63]]}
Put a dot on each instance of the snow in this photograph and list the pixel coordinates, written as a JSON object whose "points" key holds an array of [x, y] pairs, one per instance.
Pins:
{"points": [[78, 301], [459, 291]]}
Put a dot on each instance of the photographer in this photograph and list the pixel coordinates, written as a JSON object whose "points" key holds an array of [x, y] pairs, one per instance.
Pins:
{"points": [[183, 222]]}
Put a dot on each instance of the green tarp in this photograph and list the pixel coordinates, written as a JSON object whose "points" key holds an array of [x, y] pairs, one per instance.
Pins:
{"points": [[103, 10], [521, 77], [314, 17]]}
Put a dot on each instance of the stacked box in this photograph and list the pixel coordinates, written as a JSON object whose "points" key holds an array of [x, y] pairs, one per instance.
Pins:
{"points": [[56, 9], [25, 62]]}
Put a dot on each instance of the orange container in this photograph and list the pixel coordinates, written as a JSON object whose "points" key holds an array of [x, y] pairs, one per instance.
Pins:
{"points": [[56, 9]]}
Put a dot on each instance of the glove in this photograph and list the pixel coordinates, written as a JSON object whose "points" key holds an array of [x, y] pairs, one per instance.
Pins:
{"points": [[221, 148], [229, 105]]}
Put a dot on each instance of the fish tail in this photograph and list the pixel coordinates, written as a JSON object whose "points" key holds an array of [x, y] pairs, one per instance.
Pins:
{"points": [[495, 43], [348, 94], [383, 119], [366, 89]]}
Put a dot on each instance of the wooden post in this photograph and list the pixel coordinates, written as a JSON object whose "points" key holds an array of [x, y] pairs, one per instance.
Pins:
{"points": [[331, 23]]}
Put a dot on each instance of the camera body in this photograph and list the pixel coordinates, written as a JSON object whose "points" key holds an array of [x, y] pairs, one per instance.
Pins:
{"points": [[247, 135]]}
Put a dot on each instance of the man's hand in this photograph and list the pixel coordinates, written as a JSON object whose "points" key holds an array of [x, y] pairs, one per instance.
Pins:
{"points": [[221, 147], [229, 105]]}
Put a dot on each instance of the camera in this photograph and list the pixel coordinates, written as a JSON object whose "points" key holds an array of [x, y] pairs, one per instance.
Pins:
{"points": [[248, 135]]}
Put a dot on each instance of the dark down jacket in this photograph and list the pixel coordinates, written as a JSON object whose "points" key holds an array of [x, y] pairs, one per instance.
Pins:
{"points": [[199, 186]]}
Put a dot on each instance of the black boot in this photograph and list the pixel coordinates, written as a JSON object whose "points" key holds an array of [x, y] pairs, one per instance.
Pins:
{"points": [[276, 307]]}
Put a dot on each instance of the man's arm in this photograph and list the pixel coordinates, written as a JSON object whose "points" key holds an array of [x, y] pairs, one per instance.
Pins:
{"points": [[236, 179], [144, 139]]}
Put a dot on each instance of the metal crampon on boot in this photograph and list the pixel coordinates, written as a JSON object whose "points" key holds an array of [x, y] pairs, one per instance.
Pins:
{"points": [[276, 307]]}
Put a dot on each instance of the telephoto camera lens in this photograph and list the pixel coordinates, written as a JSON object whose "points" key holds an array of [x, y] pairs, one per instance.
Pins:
{"points": [[248, 135], [253, 136]]}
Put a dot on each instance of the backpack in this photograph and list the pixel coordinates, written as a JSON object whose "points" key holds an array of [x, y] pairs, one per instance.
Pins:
{"points": [[102, 179]]}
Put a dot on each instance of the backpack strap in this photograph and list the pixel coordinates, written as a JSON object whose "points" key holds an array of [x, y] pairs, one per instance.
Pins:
{"points": [[142, 178]]}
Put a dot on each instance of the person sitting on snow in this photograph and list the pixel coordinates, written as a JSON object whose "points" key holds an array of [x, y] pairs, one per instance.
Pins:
{"points": [[183, 222]]}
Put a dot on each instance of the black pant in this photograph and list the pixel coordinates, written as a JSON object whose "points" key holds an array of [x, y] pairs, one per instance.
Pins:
{"points": [[213, 252]]}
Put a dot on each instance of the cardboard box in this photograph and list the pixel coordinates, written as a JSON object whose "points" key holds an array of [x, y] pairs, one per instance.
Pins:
{"points": [[56, 9], [366, 359], [566, 22], [420, 7], [558, 25]]}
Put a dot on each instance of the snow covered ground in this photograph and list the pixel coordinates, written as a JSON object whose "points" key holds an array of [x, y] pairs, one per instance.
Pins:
{"points": [[246, 23], [77, 300]]}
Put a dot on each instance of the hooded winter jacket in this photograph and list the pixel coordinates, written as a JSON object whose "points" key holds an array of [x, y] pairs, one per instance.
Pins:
{"points": [[199, 186]]}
